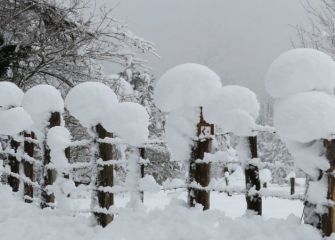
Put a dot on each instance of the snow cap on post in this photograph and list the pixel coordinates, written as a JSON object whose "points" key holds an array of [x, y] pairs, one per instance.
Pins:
{"points": [[305, 117], [10, 95], [185, 85], [129, 121], [89, 101], [40, 101], [300, 70], [14, 120], [233, 107]]}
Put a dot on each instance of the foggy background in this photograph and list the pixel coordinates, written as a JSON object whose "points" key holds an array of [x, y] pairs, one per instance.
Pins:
{"points": [[236, 38]]}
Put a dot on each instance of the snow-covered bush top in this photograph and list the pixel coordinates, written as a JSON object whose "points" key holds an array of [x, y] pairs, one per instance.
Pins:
{"points": [[128, 120], [304, 117], [235, 108], [14, 121], [186, 85], [40, 101], [300, 70], [58, 139], [10, 95], [89, 101]]}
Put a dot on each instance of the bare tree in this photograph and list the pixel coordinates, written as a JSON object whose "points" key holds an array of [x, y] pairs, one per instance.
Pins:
{"points": [[43, 41], [320, 34]]}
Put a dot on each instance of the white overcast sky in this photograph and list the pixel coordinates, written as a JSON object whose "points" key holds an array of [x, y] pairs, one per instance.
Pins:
{"points": [[236, 38]]}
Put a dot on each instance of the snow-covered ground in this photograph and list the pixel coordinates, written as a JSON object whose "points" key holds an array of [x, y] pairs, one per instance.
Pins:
{"points": [[164, 216]]}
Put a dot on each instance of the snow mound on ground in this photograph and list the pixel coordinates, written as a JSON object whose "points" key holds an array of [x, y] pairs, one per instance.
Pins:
{"points": [[176, 221], [305, 116], [14, 121], [180, 131], [40, 101], [300, 70], [88, 102], [10, 95], [128, 120], [58, 139], [186, 85]]}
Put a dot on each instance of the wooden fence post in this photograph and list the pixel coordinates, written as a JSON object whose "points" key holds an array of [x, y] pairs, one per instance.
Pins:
{"points": [[252, 180], [49, 175], [28, 167], [200, 172], [142, 155], [104, 177], [328, 219], [292, 183], [14, 166]]}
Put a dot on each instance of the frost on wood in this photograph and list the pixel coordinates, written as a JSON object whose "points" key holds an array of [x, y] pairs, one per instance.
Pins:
{"points": [[40, 102], [10, 95], [304, 117], [186, 85], [129, 121], [300, 70], [14, 121], [89, 101]]}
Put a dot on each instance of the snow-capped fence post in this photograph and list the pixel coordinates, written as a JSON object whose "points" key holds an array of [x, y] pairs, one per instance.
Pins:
{"points": [[142, 155], [28, 167], [104, 177], [291, 178], [328, 218], [48, 198], [254, 201], [14, 164], [292, 184], [303, 80], [200, 172]]}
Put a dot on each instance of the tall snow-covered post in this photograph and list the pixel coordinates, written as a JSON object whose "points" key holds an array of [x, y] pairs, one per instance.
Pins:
{"points": [[14, 165], [252, 180], [104, 177], [28, 167], [49, 176], [142, 157], [130, 122], [12, 119], [235, 109], [90, 111], [303, 81], [199, 172], [45, 105], [328, 218], [181, 92]]}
